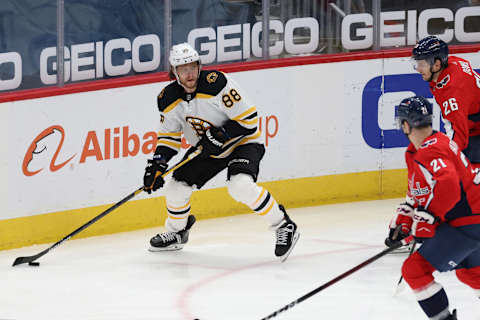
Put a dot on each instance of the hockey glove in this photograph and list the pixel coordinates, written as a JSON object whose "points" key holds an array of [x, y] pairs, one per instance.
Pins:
{"points": [[400, 225], [153, 180], [424, 223], [212, 142]]}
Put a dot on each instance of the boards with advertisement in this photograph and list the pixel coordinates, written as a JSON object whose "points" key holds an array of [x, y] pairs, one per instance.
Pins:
{"points": [[328, 128]]}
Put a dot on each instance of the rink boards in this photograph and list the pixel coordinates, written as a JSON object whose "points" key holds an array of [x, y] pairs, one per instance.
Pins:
{"points": [[328, 129]]}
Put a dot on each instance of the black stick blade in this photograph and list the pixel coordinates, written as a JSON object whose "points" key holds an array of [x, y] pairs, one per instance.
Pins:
{"points": [[21, 260]]}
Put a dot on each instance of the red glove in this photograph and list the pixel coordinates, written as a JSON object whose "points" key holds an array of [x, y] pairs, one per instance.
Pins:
{"points": [[400, 225], [424, 223], [403, 217]]}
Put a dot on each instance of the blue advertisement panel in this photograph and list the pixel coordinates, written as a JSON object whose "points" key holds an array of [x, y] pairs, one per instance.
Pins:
{"points": [[373, 91]]}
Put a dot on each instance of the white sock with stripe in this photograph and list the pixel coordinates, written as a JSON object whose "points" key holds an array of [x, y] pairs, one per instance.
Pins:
{"points": [[177, 217], [243, 189], [268, 208], [178, 196]]}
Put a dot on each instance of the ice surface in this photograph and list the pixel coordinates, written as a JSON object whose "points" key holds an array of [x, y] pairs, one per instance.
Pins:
{"points": [[226, 271]]}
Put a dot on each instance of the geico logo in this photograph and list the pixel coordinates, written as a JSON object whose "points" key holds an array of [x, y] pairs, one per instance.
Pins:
{"points": [[15, 60], [362, 35], [223, 40], [379, 98], [95, 59], [39, 150]]}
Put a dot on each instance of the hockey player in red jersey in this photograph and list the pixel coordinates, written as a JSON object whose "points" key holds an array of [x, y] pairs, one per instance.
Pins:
{"points": [[456, 88], [214, 115], [443, 211]]}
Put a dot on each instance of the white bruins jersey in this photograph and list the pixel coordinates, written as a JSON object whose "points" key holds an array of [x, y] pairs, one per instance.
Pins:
{"points": [[216, 101]]}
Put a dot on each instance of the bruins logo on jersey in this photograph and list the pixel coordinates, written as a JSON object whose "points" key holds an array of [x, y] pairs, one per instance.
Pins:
{"points": [[199, 125], [212, 77]]}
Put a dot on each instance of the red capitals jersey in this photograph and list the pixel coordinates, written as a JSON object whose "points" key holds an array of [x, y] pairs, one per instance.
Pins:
{"points": [[457, 92], [442, 180]]}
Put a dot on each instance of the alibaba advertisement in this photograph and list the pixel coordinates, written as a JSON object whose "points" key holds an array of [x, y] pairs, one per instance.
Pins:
{"points": [[80, 150]]}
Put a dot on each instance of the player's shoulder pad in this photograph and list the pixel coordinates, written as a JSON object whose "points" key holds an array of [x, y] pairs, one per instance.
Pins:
{"points": [[211, 82], [169, 95]]}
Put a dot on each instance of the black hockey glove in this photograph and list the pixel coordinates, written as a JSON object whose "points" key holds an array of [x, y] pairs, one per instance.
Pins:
{"points": [[152, 180], [212, 142], [394, 236]]}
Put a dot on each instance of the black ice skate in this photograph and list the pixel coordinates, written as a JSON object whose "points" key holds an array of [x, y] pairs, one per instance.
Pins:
{"points": [[287, 236], [171, 241]]}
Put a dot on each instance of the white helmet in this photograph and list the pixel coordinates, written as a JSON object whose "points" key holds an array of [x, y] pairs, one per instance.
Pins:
{"points": [[182, 53]]}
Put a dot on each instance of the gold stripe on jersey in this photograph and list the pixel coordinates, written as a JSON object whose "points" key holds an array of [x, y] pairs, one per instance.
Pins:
{"points": [[170, 134], [245, 114], [244, 140], [170, 140], [203, 96], [169, 143], [248, 122], [172, 106], [251, 137]]}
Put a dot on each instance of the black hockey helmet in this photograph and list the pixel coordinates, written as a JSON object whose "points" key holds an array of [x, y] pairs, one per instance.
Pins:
{"points": [[417, 111], [430, 49]]}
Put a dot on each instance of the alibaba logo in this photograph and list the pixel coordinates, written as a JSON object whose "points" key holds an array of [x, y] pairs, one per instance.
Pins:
{"points": [[39, 145]]}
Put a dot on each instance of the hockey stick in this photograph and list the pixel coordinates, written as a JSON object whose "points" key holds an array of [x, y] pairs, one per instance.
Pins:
{"points": [[401, 283], [30, 259], [340, 277]]}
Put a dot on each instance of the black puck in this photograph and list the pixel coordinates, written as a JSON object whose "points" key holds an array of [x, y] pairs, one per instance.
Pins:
{"points": [[34, 264]]}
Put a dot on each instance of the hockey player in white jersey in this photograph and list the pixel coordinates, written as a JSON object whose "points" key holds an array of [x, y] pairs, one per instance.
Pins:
{"points": [[213, 114]]}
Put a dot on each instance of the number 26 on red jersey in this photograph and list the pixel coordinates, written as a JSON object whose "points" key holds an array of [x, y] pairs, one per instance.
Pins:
{"points": [[450, 105]]}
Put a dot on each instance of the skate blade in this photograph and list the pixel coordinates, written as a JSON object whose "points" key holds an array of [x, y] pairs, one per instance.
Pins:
{"points": [[294, 242], [174, 247], [399, 289]]}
